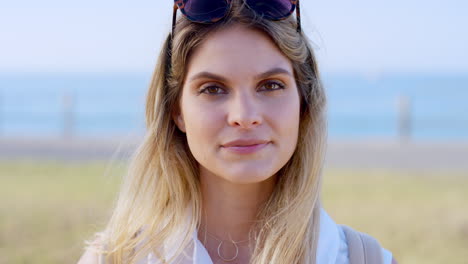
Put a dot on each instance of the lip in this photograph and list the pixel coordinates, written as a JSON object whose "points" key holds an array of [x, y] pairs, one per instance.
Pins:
{"points": [[245, 146]]}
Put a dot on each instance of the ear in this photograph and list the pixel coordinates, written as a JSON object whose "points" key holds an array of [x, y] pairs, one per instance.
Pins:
{"points": [[178, 120]]}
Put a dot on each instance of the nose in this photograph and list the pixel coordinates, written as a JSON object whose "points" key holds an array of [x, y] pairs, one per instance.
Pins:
{"points": [[244, 111]]}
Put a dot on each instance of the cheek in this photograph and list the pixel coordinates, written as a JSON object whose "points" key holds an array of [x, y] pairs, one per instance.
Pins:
{"points": [[286, 117], [202, 126], [286, 122]]}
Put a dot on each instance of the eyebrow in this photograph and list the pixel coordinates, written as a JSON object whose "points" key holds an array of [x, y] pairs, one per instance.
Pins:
{"points": [[210, 75]]}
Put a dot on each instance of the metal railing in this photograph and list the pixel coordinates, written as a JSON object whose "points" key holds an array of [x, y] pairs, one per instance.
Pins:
{"points": [[404, 110]]}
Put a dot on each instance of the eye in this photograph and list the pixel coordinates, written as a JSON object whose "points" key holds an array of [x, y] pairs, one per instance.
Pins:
{"points": [[212, 90], [272, 86]]}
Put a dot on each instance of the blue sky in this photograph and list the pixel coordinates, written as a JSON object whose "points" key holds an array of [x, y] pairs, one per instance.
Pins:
{"points": [[359, 36]]}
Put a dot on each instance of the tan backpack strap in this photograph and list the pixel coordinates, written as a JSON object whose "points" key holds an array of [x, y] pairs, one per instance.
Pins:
{"points": [[363, 249], [102, 259]]}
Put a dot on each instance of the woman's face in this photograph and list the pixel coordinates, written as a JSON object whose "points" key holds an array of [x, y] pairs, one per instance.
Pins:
{"points": [[240, 106]]}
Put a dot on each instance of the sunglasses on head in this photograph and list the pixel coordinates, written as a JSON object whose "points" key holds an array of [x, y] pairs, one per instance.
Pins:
{"points": [[211, 11]]}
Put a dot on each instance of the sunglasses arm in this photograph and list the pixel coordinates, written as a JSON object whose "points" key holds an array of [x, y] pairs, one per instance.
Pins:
{"points": [[298, 16], [174, 15]]}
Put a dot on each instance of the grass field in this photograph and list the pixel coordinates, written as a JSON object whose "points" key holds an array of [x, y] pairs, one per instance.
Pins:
{"points": [[49, 209]]}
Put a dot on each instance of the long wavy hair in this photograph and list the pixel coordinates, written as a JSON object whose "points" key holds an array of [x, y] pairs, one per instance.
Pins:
{"points": [[162, 185]]}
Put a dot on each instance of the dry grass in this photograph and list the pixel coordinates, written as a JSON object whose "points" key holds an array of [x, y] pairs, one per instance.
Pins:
{"points": [[49, 209], [420, 217]]}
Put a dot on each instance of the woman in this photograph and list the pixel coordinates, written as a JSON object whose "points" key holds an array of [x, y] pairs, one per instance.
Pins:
{"points": [[230, 169]]}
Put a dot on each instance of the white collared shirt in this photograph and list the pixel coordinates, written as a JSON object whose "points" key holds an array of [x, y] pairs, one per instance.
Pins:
{"points": [[332, 247]]}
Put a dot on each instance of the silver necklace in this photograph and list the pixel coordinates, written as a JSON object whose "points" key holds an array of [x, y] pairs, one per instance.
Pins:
{"points": [[221, 243]]}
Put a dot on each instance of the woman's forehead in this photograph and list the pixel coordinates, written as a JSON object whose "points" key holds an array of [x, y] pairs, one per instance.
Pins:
{"points": [[237, 49]]}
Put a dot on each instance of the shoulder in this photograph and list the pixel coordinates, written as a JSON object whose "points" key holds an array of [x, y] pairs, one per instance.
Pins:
{"points": [[358, 243], [89, 257], [91, 254], [334, 247]]}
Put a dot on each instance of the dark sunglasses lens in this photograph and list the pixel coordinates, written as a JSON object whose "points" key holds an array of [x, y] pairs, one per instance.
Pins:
{"points": [[205, 10], [272, 9]]}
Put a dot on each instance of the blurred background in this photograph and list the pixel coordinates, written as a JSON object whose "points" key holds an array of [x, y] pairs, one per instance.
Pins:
{"points": [[73, 78]]}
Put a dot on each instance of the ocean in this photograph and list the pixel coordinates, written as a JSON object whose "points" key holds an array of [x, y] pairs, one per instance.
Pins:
{"points": [[359, 107]]}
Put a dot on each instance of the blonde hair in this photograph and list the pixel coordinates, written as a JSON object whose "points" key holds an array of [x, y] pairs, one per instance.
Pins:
{"points": [[162, 182]]}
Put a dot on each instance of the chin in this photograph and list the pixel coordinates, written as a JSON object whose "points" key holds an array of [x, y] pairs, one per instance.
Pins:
{"points": [[250, 176]]}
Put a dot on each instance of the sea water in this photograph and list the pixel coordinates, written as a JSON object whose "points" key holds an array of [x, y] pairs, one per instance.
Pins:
{"points": [[359, 107]]}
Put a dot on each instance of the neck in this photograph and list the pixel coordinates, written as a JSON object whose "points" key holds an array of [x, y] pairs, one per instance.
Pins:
{"points": [[229, 209]]}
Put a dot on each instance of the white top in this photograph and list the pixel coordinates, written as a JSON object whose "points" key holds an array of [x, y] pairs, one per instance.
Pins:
{"points": [[332, 247]]}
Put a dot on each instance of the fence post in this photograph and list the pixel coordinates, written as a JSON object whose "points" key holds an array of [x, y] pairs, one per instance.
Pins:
{"points": [[1, 114], [68, 112], [404, 118]]}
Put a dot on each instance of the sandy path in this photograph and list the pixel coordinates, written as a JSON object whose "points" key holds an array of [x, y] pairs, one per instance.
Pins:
{"points": [[340, 154]]}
